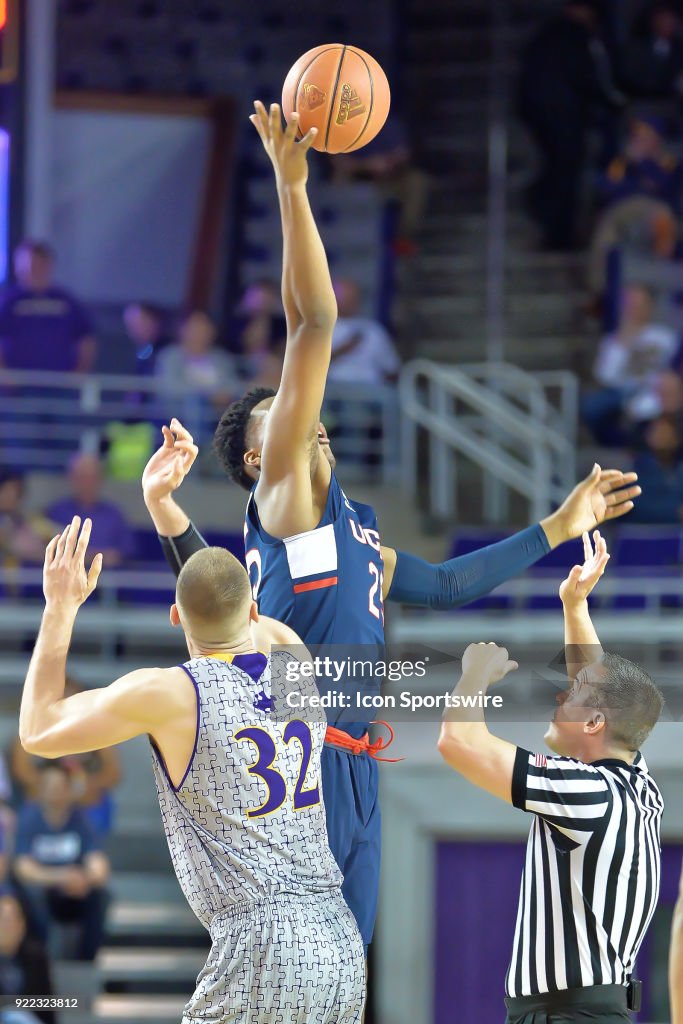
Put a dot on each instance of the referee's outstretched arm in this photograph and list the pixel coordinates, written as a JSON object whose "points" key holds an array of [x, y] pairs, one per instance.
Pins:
{"points": [[676, 961]]}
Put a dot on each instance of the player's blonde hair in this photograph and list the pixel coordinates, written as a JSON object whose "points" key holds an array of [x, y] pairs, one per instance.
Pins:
{"points": [[213, 594]]}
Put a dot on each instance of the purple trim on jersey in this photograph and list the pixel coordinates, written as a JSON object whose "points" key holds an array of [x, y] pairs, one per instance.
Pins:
{"points": [[162, 762], [253, 664]]}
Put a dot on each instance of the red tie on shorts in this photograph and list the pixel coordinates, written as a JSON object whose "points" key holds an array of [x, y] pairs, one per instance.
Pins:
{"points": [[362, 745]]}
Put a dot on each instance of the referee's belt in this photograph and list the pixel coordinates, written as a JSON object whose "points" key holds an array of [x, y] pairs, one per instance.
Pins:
{"points": [[361, 745]]}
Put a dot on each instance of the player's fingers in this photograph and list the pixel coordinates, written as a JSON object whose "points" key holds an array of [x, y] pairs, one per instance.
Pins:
{"points": [[187, 447], [255, 120], [587, 547], [612, 479], [61, 542], [71, 538], [614, 511], [511, 666], [180, 432], [292, 126], [275, 121], [308, 139], [83, 540], [94, 572], [50, 550], [613, 475], [168, 437], [262, 116], [616, 497]]}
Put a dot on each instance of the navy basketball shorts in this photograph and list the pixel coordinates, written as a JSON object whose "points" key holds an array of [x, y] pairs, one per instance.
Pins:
{"points": [[351, 795]]}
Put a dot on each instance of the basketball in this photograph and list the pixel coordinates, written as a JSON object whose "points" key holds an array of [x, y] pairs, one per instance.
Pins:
{"points": [[340, 90]]}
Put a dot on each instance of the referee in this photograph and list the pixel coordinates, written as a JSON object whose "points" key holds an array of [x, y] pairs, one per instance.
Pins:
{"points": [[591, 874]]}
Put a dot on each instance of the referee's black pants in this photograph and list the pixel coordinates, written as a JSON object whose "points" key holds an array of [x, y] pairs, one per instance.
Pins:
{"points": [[600, 1004]]}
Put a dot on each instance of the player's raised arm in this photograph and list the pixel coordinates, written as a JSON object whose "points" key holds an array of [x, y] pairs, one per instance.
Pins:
{"points": [[288, 452], [51, 725], [162, 476], [603, 495]]}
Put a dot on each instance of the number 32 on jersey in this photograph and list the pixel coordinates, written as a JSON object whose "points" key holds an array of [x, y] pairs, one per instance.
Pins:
{"points": [[263, 768]]}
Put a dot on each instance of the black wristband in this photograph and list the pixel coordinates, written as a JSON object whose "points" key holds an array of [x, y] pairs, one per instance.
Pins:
{"points": [[177, 550]]}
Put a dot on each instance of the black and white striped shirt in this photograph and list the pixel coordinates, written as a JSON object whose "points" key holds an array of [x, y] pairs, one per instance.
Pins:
{"points": [[591, 874]]}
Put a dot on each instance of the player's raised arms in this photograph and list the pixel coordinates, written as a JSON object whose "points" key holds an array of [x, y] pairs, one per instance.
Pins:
{"points": [[294, 479]]}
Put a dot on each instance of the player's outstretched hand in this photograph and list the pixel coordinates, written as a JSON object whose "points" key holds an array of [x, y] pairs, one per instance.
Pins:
{"points": [[604, 494], [583, 578], [287, 156], [170, 464], [487, 661], [66, 583]]}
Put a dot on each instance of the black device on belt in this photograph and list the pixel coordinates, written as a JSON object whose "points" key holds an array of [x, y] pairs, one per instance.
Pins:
{"points": [[634, 994]]}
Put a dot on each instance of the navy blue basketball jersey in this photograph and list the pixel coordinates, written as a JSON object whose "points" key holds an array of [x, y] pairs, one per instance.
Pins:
{"points": [[325, 583]]}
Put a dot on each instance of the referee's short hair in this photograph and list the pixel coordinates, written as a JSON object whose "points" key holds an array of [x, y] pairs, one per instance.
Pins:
{"points": [[629, 698]]}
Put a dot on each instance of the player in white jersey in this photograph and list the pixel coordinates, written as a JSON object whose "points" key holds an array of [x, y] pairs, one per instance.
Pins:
{"points": [[239, 791]]}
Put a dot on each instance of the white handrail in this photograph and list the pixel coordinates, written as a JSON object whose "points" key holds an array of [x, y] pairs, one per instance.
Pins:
{"points": [[531, 448]]}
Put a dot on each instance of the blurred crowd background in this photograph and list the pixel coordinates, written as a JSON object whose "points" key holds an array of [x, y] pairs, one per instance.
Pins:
{"points": [[508, 263]]}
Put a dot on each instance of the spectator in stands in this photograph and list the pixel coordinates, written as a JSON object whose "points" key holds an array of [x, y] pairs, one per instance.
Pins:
{"points": [[389, 162], [24, 967], [23, 535], [94, 776], [145, 328], [652, 61], [59, 863], [193, 370], [259, 333], [362, 351], [660, 472], [110, 532], [628, 368], [42, 326], [641, 192], [566, 76]]}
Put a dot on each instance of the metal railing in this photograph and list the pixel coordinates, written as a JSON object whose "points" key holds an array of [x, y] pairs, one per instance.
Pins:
{"points": [[500, 418], [47, 417]]}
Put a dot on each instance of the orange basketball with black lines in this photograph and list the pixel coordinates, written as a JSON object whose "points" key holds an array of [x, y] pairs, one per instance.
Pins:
{"points": [[340, 90]]}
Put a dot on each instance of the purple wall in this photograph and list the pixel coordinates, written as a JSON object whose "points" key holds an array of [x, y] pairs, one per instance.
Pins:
{"points": [[477, 890]]}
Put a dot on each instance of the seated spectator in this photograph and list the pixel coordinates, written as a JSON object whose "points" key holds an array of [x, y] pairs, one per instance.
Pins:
{"points": [[195, 369], [259, 334], [641, 191], [659, 466], [362, 350], [629, 365], [389, 163], [145, 329], [652, 61], [59, 864], [42, 326], [23, 535], [24, 967], [644, 168], [110, 532], [93, 776]]}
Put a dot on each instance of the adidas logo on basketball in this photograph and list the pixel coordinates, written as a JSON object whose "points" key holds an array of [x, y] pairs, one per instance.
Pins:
{"points": [[350, 105]]}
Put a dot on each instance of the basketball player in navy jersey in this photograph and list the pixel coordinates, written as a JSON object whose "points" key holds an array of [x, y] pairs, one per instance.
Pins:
{"points": [[238, 783], [315, 557]]}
